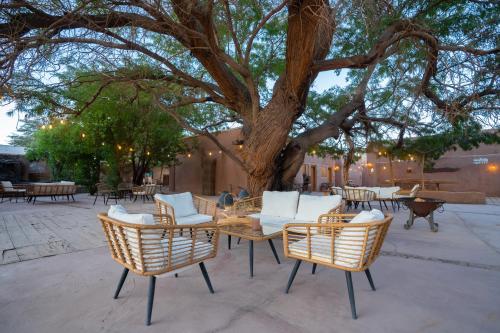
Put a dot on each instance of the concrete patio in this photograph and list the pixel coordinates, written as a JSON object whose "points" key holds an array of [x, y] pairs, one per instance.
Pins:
{"points": [[57, 276]]}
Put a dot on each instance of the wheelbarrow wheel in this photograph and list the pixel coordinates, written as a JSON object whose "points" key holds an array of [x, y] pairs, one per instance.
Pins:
{"points": [[407, 225], [434, 227]]}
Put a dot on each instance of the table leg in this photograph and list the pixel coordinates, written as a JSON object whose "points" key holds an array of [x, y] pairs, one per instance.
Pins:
{"points": [[250, 256], [274, 250]]}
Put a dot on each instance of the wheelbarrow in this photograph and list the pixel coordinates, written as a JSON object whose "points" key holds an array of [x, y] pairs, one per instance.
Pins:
{"points": [[422, 207]]}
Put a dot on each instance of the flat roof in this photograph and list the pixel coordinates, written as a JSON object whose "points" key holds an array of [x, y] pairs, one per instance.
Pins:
{"points": [[12, 150]]}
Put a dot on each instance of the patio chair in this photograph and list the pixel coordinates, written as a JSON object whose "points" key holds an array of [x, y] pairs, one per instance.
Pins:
{"points": [[125, 190], [184, 208], [146, 192], [102, 190], [146, 249], [351, 247], [355, 196], [387, 194], [10, 191]]}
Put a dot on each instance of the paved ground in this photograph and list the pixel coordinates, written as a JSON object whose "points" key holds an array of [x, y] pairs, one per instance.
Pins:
{"points": [[426, 282]]}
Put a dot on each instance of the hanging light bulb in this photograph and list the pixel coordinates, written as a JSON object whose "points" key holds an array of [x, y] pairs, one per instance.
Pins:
{"points": [[189, 155], [119, 147], [148, 153], [83, 135], [43, 126], [209, 153], [50, 126]]}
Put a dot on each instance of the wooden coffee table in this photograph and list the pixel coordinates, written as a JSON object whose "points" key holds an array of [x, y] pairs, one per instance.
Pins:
{"points": [[241, 227]]}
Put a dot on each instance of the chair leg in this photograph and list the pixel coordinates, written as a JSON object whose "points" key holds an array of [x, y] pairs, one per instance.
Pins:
{"points": [[385, 204], [239, 240], [72, 197], [350, 289], [120, 283], [314, 268], [207, 278], [292, 275], [369, 276], [380, 203], [274, 251], [151, 296], [229, 242], [369, 205], [250, 256]]}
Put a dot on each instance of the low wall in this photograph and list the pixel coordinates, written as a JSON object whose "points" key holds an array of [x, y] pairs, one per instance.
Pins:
{"points": [[455, 197]]}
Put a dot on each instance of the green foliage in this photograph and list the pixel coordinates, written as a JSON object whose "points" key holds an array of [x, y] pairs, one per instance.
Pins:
{"points": [[122, 129]]}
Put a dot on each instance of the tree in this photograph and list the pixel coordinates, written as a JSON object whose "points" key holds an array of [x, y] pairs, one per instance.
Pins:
{"points": [[404, 60], [121, 128]]}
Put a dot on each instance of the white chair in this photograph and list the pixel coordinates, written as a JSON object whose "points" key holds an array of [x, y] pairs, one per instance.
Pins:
{"points": [[404, 194], [184, 208]]}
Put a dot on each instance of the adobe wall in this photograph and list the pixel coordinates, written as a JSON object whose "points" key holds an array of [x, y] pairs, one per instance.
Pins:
{"points": [[476, 170]]}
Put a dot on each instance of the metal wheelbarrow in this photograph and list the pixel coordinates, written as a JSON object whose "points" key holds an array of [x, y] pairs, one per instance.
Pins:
{"points": [[422, 207]]}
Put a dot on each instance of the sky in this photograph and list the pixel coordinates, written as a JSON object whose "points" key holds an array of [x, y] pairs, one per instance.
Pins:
{"points": [[8, 125]]}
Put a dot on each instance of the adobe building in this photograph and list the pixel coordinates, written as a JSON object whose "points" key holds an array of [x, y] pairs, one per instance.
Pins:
{"points": [[207, 170], [476, 170]]}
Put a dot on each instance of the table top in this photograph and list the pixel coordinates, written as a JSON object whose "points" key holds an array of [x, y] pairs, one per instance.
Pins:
{"points": [[241, 227]]}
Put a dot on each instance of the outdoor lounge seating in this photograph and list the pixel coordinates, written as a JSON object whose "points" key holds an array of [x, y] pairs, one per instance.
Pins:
{"points": [[52, 190], [351, 247], [279, 208], [149, 249], [184, 208], [356, 195], [401, 194], [7, 190]]}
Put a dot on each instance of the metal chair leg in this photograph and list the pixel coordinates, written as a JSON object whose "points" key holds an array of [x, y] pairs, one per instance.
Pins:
{"points": [[369, 276], [274, 251], [207, 278], [314, 268], [292, 275], [250, 256], [229, 242], [239, 240], [350, 289], [369, 205], [151, 296], [120, 283]]}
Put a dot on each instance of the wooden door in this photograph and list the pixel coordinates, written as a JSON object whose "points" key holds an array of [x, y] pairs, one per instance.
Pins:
{"points": [[208, 182], [330, 176], [313, 178]]}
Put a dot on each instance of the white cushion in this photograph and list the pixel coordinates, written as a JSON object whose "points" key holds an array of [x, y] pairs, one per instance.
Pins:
{"points": [[271, 220], [118, 212], [7, 186], [387, 192], [194, 219], [348, 244], [67, 182], [182, 203], [282, 204], [312, 206]]}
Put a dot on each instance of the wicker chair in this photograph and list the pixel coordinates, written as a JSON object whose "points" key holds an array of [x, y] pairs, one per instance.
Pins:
{"points": [[7, 190], [150, 250], [336, 244], [125, 190], [166, 212], [102, 190], [146, 192], [355, 196]]}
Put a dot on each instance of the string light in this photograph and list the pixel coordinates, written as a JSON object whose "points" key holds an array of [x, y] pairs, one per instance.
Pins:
{"points": [[83, 135], [131, 149], [210, 153], [220, 151], [148, 153], [102, 143], [119, 147], [189, 155], [50, 126], [241, 146], [62, 122], [384, 167], [43, 126]]}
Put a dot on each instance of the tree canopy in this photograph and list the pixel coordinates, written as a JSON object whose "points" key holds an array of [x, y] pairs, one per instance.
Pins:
{"points": [[408, 65], [123, 129]]}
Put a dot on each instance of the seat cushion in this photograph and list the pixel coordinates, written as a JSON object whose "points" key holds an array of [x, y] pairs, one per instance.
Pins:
{"points": [[270, 220], [182, 203], [7, 186], [312, 206], [67, 182], [193, 219], [387, 192], [118, 212], [282, 204]]}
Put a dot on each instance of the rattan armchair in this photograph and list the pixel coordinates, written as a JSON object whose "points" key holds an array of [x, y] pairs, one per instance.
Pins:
{"points": [[355, 196], [150, 250], [146, 192], [166, 212], [336, 244]]}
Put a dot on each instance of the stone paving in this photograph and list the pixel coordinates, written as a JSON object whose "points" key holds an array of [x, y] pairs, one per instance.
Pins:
{"points": [[57, 276]]}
